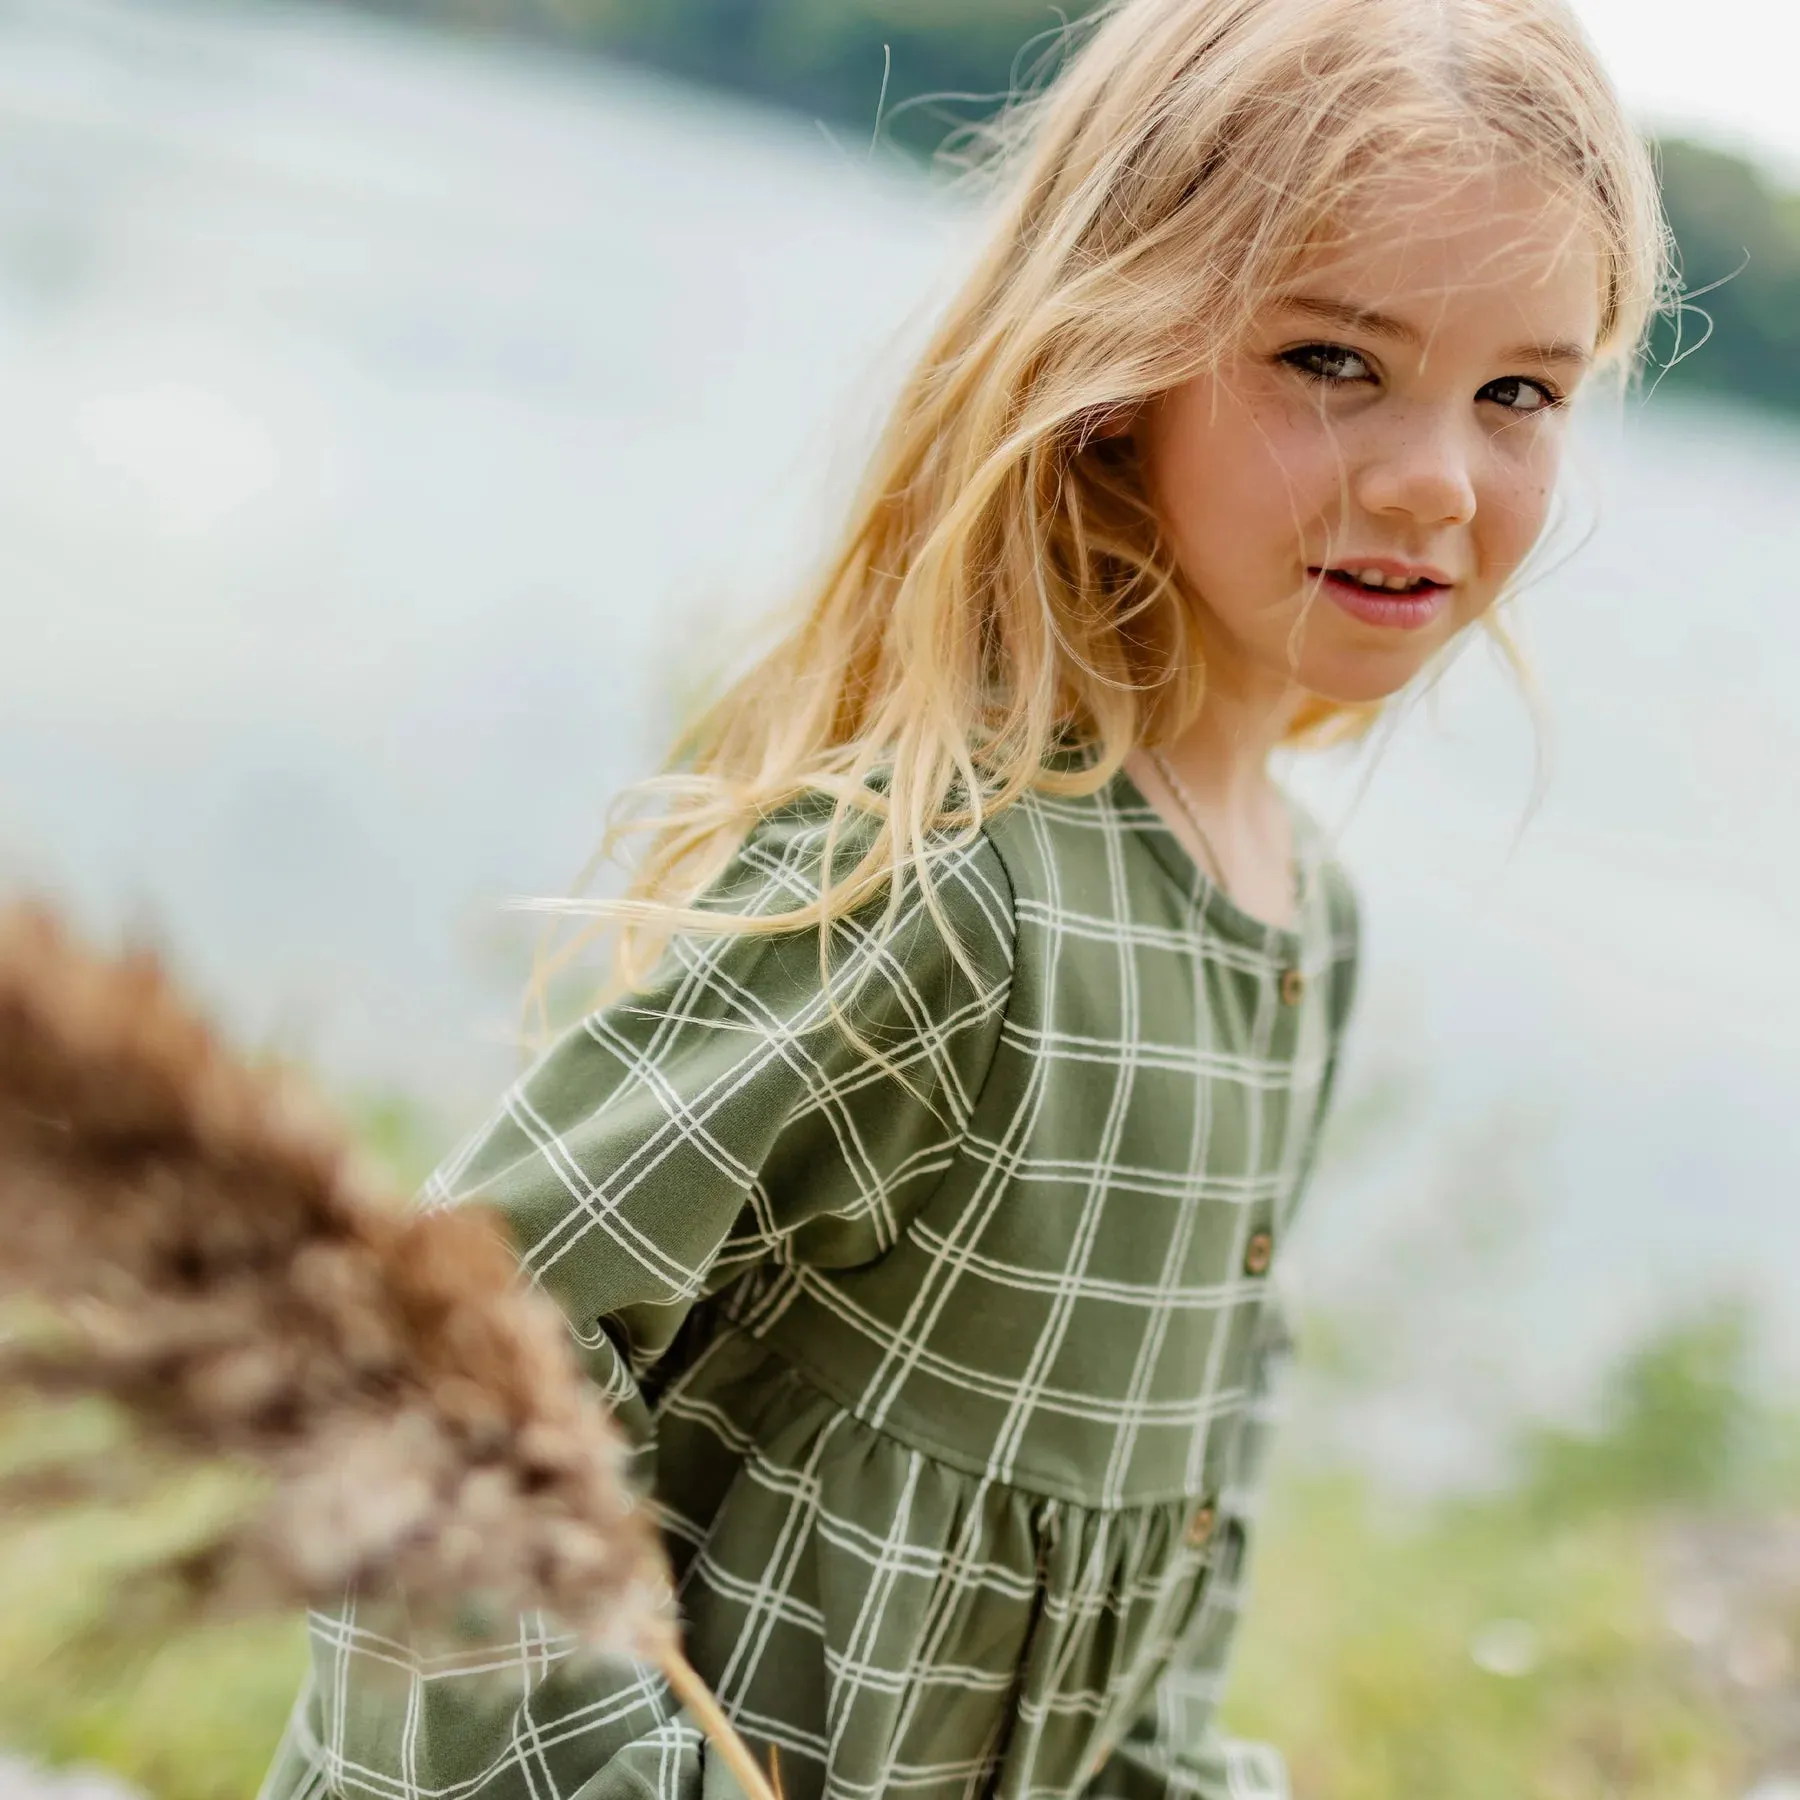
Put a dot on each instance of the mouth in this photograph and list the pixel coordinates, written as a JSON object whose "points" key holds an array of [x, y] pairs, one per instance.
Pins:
{"points": [[1389, 595]]}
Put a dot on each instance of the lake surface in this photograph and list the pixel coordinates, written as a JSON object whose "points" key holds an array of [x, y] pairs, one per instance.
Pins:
{"points": [[395, 432]]}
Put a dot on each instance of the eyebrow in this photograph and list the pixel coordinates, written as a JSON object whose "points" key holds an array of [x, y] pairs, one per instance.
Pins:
{"points": [[1385, 325]]}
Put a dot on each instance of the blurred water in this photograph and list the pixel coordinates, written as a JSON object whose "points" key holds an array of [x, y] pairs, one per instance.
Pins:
{"points": [[393, 430]]}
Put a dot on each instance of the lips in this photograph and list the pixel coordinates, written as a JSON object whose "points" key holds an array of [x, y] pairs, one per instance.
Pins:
{"points": [[1397, 596]]}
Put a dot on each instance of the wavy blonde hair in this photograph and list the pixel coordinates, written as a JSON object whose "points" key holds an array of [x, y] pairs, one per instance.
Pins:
{"points": [[1003, 590]]}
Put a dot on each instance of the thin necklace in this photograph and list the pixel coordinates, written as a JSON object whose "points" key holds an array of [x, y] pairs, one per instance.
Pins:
{"points": [[1191, 812], [1184, 798]]}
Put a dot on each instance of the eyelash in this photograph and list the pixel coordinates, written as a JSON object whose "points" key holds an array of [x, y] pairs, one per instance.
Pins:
{"points": [[1297, 359]]}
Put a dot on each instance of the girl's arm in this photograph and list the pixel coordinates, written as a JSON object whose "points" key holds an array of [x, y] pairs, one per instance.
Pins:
{"points": [[720, 1123], [681, 1137]]}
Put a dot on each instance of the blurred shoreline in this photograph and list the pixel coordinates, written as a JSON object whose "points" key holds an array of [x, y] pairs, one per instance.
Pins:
{"points": [[923, 82]]}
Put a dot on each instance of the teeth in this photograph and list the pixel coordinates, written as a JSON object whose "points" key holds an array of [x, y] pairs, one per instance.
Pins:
{"points": [[1377, 581]]}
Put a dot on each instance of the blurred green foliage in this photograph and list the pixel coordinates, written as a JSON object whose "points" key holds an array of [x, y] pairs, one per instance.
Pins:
{"points": [[914, 72], [937, 60], [400, 1136], [84, 1680], [1522, 1640], [1470, 1652], [1739, 239], [1681, 1425], [196, 1719]]}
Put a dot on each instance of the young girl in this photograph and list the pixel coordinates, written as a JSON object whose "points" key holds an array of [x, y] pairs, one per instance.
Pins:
{"points": [[916, 1203]]}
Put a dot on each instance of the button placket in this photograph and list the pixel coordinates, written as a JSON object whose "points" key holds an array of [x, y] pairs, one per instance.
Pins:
{"points": [[1198, 1534], [1201, 1526]]}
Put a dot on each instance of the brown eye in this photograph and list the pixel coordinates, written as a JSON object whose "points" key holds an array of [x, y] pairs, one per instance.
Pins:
{"points": [[1330, 363], [1520, 394]]}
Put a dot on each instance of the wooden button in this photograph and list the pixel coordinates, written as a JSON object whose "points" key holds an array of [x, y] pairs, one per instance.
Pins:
{"points": [[1200, 1528], [1258, 1254], [1293, 987]]}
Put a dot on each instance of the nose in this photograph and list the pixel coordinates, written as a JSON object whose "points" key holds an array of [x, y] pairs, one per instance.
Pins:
{"points": [[1420, 469]]}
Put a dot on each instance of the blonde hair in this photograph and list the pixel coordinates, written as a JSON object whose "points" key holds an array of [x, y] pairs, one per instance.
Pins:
{"points": [[1003, 591]]}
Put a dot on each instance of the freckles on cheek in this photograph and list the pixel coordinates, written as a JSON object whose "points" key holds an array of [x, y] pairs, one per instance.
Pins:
{"points": [[1519, 515]]}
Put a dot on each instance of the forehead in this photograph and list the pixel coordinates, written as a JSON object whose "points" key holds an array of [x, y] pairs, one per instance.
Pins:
{"points": [[1503, 246]]}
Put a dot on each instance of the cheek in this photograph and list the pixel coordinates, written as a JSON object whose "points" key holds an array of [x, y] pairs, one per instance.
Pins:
{"points": [[1513, 512], [1233, 470]]}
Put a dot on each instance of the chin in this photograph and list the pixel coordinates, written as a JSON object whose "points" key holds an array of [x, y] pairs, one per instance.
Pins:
{"points": [[1364, 680]]}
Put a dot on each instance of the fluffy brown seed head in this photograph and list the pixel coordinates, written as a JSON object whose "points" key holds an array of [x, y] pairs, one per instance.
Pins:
{"points": [[214, 1266]]}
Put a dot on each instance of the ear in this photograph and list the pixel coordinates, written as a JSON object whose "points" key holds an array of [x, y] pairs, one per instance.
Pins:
{"points": [[1115, 423]]}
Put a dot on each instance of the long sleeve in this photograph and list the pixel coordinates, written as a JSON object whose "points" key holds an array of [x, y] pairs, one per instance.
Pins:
{"points": [[726, 1118], [722, 1123]]}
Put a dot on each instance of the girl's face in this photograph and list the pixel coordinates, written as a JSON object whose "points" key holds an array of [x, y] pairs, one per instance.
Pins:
{"points": [[1396, 417]]}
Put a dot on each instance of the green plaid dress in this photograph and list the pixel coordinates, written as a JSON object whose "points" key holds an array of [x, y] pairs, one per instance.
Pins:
{"points": [[952, 1374]]}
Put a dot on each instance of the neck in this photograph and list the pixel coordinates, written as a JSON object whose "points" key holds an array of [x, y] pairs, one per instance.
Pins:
{"points": [[1224, 754], [1212, 788]]}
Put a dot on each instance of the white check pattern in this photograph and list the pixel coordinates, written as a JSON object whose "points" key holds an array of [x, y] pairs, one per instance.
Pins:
{"points": [[953, 1369]]}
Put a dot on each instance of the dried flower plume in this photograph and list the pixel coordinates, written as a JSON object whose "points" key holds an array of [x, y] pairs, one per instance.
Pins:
{"points": [[190, 1239]]}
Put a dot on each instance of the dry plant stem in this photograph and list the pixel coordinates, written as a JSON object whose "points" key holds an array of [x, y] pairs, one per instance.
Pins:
{"points": [[697, 1697], [198, 1249]]}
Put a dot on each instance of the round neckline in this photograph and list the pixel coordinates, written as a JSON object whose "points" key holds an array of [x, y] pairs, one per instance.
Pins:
{"points": [[1210, 900]]}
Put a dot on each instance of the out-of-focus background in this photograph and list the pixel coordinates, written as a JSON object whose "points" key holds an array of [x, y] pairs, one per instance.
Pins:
{"points": [[408, 409]]}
